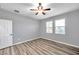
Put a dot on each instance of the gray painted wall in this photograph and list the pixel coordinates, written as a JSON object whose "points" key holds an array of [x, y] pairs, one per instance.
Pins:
{"points": [[24, 28], [72, 28]]}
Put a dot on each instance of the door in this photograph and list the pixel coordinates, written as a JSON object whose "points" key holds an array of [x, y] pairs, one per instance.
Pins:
{"points": [[5, 33]]}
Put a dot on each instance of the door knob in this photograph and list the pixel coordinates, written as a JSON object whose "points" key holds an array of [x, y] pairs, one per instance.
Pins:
{"points": [[11, 34]]}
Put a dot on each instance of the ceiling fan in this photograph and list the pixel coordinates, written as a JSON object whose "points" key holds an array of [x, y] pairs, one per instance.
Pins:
{"points": [[40, 9]]}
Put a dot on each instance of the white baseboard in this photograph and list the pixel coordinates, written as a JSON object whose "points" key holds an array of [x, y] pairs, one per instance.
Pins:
{"points": [[62, 43], [26, 41], [43, 38], [21, 42]]}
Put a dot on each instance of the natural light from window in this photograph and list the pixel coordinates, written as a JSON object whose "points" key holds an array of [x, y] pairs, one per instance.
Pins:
{"points": [[49, 27], [60, 26]]}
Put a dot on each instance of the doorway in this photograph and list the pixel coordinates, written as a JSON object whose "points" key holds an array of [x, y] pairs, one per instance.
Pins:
{"points": [[6, 38]]}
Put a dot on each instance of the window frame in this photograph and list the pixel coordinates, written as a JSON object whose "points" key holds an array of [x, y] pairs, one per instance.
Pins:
{"points": [[48, 27], [60, 26]]}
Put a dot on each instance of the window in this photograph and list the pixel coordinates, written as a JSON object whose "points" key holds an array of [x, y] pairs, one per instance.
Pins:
{"points": [[49, 27], [60, 26]]}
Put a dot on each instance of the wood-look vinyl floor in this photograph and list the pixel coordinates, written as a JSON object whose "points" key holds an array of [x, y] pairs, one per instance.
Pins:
{"points": [[40, 47]]}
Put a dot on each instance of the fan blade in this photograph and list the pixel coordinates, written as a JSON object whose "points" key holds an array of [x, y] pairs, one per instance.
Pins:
{"points": [[47, 9], [43, 13], [36, 13], [33, 9]]}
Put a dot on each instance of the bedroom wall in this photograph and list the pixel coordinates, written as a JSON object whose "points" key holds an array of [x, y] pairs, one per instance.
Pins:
{"points": [[24, 28], [72, 28]]}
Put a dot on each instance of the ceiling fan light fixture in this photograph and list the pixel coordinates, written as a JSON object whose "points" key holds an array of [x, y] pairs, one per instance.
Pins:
{"points": [[40, 9]]}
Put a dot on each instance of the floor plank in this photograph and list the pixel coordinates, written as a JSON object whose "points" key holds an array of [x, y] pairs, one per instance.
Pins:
{"points": [[39, 47]]}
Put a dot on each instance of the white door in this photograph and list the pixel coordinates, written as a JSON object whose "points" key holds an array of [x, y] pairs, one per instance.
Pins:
{"points": [[5, 33]]}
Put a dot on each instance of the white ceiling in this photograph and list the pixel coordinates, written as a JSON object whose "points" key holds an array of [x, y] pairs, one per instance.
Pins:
{"points": [[24, 8]]}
